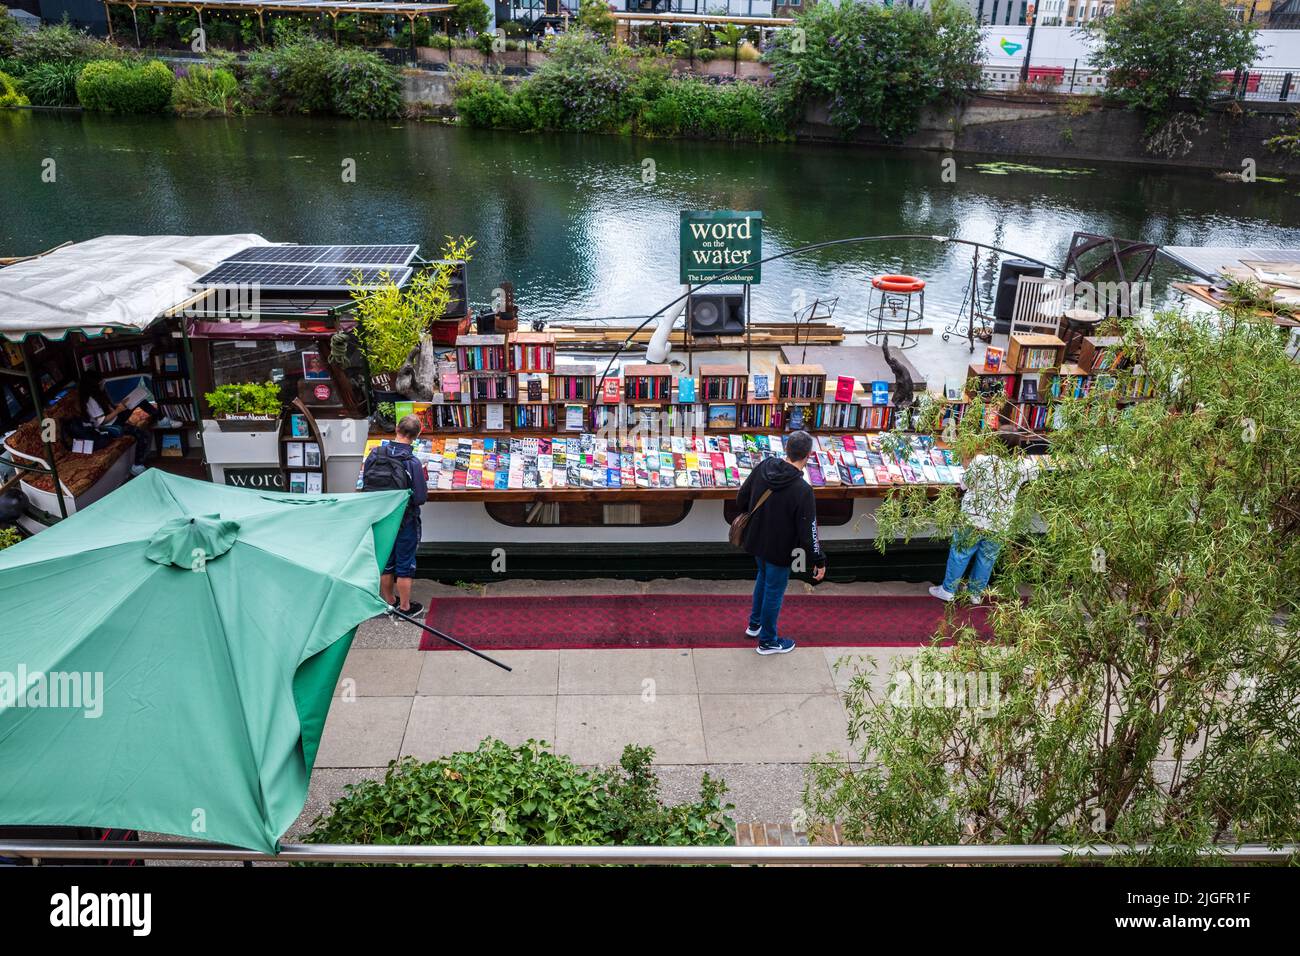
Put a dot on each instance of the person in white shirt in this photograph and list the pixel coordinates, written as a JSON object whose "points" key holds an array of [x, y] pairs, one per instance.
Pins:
{"points": [[991, 484], [102, 422]]}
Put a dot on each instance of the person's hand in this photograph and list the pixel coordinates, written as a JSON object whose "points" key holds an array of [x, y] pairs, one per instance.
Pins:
{"points": [[819, 573]]}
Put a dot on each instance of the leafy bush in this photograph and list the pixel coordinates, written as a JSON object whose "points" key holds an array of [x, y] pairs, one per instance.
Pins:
{"points": [[678, 48], [9, 92], [877, 66], [205, 91], [52, 84], [62, 44], [1161, 54], [363, 85], [9, 537], [115, 86], [310, 75], [595, 18], [484, 101], [391, 320], [241, 399], [10, 32], [501, 795]]}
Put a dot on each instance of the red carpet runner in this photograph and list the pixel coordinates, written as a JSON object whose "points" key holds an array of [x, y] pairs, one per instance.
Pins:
{"points": [[687, 620]]}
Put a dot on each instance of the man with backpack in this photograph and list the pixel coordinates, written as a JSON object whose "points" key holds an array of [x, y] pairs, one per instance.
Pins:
{"points": [[781, 524], [393, 467]]}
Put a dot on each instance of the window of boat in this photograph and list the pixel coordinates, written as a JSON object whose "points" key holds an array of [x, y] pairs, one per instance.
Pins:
{"points": [[831, 512], [587, 514], [240, 361]]}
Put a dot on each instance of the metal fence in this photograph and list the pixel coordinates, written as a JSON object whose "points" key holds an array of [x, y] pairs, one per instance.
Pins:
{"points": [[1075, 76], [1037, 855]]}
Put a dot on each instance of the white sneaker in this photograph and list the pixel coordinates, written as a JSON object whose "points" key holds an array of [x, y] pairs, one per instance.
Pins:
{"points": [[975, 598], [167, 423], [137, 471], [751, 632], [943, 595]]}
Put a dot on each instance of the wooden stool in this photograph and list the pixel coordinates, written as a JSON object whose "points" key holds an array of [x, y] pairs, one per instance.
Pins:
{"points": [[1078, 324]]}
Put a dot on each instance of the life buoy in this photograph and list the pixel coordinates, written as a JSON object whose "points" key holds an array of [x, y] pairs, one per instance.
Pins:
{"points": [[898, 283]]}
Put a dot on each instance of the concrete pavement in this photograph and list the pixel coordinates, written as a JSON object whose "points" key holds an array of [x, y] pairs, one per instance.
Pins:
{"points": [[754, 721]]}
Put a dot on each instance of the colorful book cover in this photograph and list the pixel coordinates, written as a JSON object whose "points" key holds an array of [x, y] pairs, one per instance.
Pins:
{"points": [[844, 388], [879, 393], [686, 389]]}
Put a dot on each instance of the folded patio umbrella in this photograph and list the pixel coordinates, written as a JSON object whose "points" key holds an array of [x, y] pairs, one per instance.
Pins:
{"points": [[215, 622]]}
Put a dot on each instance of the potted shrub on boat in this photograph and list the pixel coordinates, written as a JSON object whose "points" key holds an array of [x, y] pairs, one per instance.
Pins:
{"points": [[245, 407]]}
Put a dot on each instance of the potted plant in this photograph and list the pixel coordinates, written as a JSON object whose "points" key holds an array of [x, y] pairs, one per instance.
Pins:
{"points": [[245, 407]]}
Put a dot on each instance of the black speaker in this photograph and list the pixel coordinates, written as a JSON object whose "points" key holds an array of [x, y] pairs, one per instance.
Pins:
{"points": [[1004, 304], [458, 289], [718, 313]]}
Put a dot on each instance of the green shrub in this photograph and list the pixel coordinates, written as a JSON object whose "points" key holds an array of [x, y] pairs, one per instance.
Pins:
{"points": [[63, 44], [363, 85], [9, 92], [678, 48], [470, 15], [482, 100], [9, 537], [52, 84], [10, 32], [502, 795], [118, 87], [204, 91], [247, 398]]}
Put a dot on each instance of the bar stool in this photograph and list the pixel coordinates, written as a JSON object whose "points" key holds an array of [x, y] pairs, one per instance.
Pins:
{"points": [[899, 310], [1076, 326]]}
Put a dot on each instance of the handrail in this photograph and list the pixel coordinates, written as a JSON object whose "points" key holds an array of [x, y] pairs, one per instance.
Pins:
{"points": [[1037, 855]]}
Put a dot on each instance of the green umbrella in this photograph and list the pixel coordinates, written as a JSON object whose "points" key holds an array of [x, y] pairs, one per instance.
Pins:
{"points": [[168, 655]]}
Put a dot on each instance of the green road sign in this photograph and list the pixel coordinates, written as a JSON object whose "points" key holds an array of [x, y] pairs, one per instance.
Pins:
{"points": [[714, 243]]}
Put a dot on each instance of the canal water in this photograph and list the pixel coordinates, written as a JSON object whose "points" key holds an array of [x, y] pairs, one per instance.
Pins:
{"points": [[587, 226]]}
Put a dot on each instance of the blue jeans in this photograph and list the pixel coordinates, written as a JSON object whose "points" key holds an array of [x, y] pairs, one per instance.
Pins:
{"points": [[983, 550], [769, 592]]}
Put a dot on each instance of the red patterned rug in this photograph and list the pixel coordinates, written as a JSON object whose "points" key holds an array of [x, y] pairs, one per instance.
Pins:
{"points": [[688, 620]]}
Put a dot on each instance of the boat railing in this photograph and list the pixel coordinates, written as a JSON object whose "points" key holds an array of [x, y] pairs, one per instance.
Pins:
{"points": [[50, 851]]}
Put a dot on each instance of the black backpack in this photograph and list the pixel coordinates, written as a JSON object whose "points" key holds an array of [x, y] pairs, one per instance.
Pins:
{"points": [[386, 473]]}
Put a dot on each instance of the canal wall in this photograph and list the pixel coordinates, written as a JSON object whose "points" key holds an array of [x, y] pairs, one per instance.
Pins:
{"points": [[1060, 128]]}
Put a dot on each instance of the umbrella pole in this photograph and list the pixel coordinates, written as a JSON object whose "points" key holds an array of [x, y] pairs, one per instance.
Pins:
{"points": [[447, 637]]}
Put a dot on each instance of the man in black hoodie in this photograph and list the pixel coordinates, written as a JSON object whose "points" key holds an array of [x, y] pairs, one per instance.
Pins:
{"points": [[393, 467], [782, 531]]}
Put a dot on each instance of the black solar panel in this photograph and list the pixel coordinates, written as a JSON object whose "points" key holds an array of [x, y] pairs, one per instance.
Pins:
{"points": [[275, 276], [394, 255]]}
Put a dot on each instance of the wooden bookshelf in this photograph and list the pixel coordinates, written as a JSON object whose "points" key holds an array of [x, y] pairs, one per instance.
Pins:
{"points": [[648, 384], [531, 352], [571, 384], [481, 353], [726, 384], [1034, 352], [800, 382], [1101, 353]]}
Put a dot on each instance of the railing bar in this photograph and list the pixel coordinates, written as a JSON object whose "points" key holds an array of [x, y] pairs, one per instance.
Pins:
{"points": [[1038, 854]]}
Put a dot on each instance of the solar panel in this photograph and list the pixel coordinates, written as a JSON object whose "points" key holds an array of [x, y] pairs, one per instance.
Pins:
{"points": [[392, 255], [278, 276]]}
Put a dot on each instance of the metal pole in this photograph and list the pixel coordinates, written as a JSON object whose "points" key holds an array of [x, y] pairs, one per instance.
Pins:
{"points": [[1029, 47], [1015, 854], [1286, 88], [1074, 70], [135, 20], [194, 395], [108, 17], [49, 447], [446, 637]]}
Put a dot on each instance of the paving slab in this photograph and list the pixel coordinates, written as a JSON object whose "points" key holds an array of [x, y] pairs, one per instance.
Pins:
{"points": [[365, 732], [380, 672], [594, 728], [627, 671], [443, 725], [772, 728], [581, 586], [741, 670], [461, 674], [697, 586], [387, 632], [879, 663], [760, 792]]}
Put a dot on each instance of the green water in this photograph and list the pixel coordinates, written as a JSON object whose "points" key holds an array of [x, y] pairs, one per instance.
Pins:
{"points": [[570, 220]]}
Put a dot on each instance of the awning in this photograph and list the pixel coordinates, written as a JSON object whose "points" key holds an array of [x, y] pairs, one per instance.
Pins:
{"points": [[1210, 261], [112, 282]]}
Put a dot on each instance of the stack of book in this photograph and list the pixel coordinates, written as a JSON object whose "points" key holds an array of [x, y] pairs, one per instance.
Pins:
{"points": [[715, 461]]}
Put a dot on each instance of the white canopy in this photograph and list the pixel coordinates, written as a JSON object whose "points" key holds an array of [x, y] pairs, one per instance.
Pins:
{"points": [[121, 282]]}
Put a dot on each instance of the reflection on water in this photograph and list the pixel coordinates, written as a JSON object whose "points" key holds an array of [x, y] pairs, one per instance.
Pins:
{"points": [[569, 220]]}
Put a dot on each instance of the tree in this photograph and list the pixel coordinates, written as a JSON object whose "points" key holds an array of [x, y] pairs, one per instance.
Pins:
{"points": [[876, 66], [470, 15], [594, 16], [1144, 678], [1164, 56]]}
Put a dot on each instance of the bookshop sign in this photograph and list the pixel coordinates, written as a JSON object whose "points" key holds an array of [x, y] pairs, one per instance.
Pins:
{"points": [[714, 243], [260, 479]]}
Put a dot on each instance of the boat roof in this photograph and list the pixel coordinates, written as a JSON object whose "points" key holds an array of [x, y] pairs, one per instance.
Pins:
{"points": [[106, 283], [1211, 261]]}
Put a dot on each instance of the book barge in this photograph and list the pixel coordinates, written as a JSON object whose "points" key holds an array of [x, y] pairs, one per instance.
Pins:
{"points": [[572, 448]]}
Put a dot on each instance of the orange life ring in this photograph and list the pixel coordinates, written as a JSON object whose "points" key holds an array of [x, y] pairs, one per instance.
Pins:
{"points": [[891, 283]]}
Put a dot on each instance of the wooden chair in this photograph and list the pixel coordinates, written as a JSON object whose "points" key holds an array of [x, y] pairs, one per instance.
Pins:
{"points": [[1040, 305]]}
